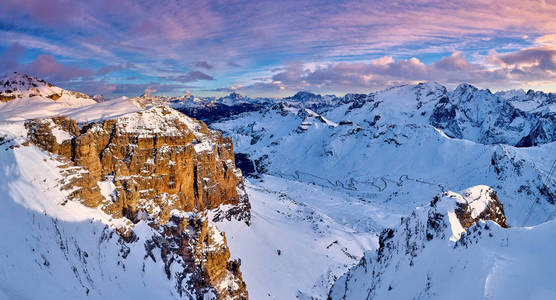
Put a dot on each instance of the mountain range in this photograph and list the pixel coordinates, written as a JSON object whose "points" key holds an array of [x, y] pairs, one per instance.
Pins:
{"points": [[413, 192]]}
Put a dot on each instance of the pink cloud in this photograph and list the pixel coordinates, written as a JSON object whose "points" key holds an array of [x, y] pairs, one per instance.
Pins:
{"points": [[47, 67], [513, 69], [9, 59]]}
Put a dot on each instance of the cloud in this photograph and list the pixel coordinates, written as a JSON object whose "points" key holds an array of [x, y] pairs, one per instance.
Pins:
{"points": [[110, 89], [52, 12], [107, 69], [163, 37], [46, 66], [9, 59], [510, 69], [190, 76], [203, 64], [543, 58]]}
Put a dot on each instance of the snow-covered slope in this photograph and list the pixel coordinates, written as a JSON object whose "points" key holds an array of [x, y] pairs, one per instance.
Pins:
{"points": [[64, 249], [25, 97], [456, 248], [17, 86]]}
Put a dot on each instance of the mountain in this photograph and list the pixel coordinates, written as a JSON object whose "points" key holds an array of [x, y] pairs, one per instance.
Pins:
{"points": [[481, 116], [457, 247], [384, 146], [344, 197], [528, 101], [210, 110], [120, 206], [18, 86], [312, 101]]}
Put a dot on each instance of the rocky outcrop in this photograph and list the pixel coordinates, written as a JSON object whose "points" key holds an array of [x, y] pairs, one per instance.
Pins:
{"points": [[476, 204], [430, 234], [158, 160], [199, 253], [156, 165]]}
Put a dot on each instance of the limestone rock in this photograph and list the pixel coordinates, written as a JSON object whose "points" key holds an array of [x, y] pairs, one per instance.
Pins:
{"points": [[158, 159]]}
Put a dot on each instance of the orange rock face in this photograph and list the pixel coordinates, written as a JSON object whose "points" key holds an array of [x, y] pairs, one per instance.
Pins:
{"points": [[154, 165], [206, 263], [158, 160], [494, 212]]}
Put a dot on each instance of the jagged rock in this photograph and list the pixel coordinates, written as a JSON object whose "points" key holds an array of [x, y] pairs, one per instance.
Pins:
{"points": [[202, 252], [158, 160], [451, 220]]}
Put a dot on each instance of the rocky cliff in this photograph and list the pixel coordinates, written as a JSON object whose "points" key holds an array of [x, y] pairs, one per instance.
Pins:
{"points": [[154, 165]]}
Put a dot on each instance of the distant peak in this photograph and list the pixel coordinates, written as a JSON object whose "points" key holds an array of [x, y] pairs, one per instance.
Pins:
{"points": [[304, 96], [235, 95], [465, 87]]}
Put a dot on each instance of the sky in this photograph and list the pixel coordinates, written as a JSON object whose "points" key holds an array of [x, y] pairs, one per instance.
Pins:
{"points": [[275, 48]]}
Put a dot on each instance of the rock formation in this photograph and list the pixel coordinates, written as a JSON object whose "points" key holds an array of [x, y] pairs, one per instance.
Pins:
{"points": [[154, 165], [451, 221]]}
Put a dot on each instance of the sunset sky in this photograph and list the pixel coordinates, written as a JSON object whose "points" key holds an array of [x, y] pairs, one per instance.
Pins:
{"points": [[274, 48]]}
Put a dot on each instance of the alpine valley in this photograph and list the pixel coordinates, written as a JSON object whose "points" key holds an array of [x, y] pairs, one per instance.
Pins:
{"points": [[413, 192]]}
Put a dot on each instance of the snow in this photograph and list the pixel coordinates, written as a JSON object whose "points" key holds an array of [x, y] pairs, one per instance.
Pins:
{"points": [[107, 189], [387, 168], [400, 156], [318, 232], [204, 145], [327, 192], [157, 120], [489, 262], [32, 108]]}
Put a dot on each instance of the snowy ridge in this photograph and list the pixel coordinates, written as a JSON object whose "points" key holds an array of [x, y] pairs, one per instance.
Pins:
{"points": [[432, 254], [17, 86]]}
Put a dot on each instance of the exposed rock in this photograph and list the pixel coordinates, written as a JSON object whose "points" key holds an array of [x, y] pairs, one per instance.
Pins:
{"points": [[482, 199], [158, 160], [450, 221], [161, 164], [201, 251]]}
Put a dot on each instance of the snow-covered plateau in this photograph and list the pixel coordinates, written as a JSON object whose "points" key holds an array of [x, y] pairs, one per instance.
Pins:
{"points": [[413, 192]]}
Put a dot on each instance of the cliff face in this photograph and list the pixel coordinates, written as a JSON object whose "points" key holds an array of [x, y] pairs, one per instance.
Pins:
{"points": [[153, 165], [199, 253], [157, 160]]}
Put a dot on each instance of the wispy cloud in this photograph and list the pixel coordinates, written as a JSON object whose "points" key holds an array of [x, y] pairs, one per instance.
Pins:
{"points": [[171, 40]]}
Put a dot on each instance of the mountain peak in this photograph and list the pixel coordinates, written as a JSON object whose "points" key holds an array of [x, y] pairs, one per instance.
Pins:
{"points": [[22, 86], [463, 87], [304, 96], [235, 95], [19, 82]]}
